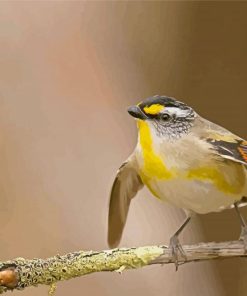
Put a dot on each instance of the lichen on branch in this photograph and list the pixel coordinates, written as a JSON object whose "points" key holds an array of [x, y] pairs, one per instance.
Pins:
{"points": [[21, 273]]}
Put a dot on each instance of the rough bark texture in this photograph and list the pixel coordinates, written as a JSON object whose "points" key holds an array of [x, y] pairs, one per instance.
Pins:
{"points": [[21, 273]]}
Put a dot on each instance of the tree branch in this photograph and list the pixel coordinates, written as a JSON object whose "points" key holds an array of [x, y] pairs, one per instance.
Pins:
{"points": [[21, 273]]}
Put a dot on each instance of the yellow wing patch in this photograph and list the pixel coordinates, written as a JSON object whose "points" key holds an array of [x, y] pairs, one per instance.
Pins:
{"points": [[153, 109], [223, 137], [215, 175]]}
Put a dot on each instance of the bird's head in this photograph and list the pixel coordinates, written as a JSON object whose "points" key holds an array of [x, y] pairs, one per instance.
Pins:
{"points": [[167, 116]]}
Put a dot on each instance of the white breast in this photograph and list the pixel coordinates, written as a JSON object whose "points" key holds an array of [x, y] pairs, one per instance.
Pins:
{"points": [[198, 196], [185, 154]]}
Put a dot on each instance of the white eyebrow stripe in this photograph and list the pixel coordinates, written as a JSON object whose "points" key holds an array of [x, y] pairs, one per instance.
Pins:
{"points": [[174, 110]]}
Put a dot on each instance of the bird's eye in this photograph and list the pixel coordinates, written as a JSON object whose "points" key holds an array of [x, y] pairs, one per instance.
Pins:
{"points": [[165, 117]]}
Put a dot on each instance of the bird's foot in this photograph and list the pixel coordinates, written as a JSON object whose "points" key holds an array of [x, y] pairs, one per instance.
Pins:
{"points": [[243, 237], [176, 248]]}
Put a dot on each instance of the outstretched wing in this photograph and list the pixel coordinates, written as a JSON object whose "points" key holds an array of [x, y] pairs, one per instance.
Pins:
{"points": [[125, 187], [228, 147]]}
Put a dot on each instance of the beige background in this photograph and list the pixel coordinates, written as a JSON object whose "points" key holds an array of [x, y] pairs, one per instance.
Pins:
{"points": [[68, 71]]}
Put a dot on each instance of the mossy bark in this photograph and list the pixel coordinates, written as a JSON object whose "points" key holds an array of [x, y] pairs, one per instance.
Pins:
{"points": [[21, 273]]}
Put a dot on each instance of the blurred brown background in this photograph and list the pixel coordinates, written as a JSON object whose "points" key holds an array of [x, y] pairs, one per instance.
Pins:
{"points": [[68, 71]]}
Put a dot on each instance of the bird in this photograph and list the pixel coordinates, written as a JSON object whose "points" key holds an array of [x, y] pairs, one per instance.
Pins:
{"points": [[183, 159]]}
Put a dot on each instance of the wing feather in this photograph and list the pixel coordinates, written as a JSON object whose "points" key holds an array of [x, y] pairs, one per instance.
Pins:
{"points": [[126, 185], [235, 149]]}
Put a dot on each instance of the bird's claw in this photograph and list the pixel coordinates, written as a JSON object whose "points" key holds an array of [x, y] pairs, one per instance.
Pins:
{"points": [[243, 237], [176, 248]]}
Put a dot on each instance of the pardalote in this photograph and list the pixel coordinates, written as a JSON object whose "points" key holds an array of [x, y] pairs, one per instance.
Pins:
{"points": [[183, 159]]}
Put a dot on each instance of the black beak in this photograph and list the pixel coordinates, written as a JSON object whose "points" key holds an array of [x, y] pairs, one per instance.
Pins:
{"points": [[136, 112]]}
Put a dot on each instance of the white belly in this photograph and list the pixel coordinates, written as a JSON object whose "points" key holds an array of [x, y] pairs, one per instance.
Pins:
{"points": [[198, 196]]}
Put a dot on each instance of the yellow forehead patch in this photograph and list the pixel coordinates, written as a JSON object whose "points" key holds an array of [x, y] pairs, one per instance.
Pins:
{"points": [[153, 109]]}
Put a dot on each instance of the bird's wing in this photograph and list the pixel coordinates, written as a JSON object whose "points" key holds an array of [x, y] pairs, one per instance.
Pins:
{"points": [[125, 187], [229, 146]]}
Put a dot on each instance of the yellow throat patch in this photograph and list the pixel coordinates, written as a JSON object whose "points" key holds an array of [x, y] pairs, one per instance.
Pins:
{"points": [[154, 166]]}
